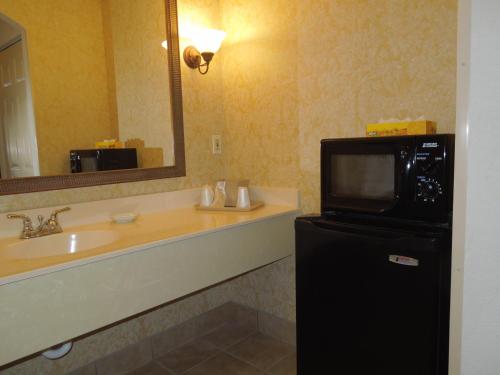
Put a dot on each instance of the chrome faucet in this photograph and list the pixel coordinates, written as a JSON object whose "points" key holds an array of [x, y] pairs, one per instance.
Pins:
{"points": [[44, 228]]}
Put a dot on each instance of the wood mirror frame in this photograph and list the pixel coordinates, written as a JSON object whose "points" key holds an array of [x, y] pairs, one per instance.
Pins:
{"points": [[45, 183]]}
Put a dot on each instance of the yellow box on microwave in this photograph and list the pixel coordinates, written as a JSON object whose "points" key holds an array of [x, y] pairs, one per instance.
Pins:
{"points": [[401, 128], [111, 143]]}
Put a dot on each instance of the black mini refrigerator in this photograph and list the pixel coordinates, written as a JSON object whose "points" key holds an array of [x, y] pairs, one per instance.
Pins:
{"points": [[371, 300], [373, 270]]}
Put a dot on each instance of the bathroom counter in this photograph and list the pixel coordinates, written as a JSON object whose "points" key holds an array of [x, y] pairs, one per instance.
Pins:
{"points": [[149, 230], [171, 251]]}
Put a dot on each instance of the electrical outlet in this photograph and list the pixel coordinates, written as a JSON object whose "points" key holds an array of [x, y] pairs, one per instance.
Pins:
{"points": [[216, 144]]}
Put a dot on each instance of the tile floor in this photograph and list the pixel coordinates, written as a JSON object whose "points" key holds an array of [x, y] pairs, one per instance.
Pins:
{"points": [[232, 349]]}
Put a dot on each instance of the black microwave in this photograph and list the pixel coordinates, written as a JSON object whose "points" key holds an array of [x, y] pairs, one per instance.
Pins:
{"points": [[102, 159], [407, 177]]}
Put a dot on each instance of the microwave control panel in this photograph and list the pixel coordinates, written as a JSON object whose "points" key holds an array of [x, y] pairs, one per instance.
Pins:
{"points": [[430, 170]]}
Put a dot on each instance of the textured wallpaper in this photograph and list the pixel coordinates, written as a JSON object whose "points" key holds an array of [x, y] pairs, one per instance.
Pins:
{"points": [[299, 71], [59, 66]]}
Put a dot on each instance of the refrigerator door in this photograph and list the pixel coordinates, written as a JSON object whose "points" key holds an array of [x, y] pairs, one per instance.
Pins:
{"points": [[371, 300]]}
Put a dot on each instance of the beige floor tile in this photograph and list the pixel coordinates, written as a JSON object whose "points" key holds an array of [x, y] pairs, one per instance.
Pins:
{"points": [[86, 370], [128, 359], [174, 337], [153, 368], [278, 328], [229, 335], [261, 351], [214, 319], [223, 364], [287, 366], [187, 356]]}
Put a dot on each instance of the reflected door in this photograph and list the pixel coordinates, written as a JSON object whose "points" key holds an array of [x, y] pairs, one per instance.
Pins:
{"points": [[18, 155]]}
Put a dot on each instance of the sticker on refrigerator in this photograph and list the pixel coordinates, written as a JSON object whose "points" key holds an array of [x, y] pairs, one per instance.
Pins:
{"points": [[405, 261]]}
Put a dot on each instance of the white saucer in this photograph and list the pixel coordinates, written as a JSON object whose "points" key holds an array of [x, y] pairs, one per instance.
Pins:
{"points": [[124, 218]]}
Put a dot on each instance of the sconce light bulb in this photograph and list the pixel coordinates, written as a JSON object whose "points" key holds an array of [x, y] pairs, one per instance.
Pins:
{"points": [[208, 42]]}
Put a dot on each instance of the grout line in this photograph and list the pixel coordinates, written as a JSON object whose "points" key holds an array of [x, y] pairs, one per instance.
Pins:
{"points": [[217, 352], [221, 350], [184, 343], [282, 359], [248, 363], [278, 361], [163, 367], [245, 362], [241, 339]]}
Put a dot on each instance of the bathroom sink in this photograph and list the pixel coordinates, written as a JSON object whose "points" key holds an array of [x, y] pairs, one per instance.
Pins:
{"points": [[60, 244]]}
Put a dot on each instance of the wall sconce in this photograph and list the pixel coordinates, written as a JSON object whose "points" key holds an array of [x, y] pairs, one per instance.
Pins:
{"points": [[206, 41]]}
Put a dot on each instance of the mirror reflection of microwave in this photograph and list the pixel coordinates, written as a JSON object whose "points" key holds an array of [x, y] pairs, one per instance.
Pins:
{"points": [[103, 159]]}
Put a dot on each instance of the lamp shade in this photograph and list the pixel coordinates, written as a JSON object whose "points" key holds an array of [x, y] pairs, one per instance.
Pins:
{"points": [[208, 40]]}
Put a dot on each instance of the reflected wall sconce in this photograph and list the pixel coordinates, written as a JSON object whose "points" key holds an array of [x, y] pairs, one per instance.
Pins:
{"points": [[208, 42]]}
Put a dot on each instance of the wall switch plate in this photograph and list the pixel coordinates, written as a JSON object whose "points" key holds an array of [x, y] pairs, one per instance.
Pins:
{"points": [[216, 144]]}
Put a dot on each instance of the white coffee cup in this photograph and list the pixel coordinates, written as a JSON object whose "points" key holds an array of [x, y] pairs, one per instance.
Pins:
{"points": [[207, 196], [243, 200]]}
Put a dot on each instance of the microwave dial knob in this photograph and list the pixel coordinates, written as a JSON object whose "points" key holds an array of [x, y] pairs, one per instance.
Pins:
{"points": [[429, 190]]}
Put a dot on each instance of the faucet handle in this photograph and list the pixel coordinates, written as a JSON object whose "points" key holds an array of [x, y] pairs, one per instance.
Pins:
{"points": [[53, 215], [26, 219], [27, 224]]}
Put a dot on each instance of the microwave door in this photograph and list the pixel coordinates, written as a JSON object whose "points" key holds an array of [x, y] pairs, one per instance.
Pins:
{"points": [[366, 177], [364, 181], [84, 161]]}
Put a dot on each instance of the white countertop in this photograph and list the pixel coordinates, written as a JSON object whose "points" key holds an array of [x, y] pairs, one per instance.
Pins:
{"points": [[149, 230]]}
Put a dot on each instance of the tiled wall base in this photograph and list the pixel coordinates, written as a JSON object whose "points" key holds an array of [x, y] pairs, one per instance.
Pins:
{"points": [[228, 339]]}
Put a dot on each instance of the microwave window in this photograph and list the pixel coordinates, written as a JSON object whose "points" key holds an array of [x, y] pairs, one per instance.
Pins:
{"points": [[363, 176], [89, 163]]}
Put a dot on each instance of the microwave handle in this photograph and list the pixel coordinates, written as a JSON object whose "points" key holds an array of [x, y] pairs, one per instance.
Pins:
{"points": [[402, 161], [368, 209]]}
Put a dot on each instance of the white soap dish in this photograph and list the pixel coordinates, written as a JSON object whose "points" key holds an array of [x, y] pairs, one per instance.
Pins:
{"points": [[124, 218]]}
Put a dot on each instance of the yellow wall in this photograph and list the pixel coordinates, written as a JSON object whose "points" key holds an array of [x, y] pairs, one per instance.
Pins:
{"points": [[299, 71], [58, 66]]}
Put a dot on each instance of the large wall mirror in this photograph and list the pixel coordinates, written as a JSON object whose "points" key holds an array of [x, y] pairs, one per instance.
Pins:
{"points": [[90, 93]]}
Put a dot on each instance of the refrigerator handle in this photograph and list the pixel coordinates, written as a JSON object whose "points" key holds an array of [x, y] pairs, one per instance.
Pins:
{"points": [[371, 235]]}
